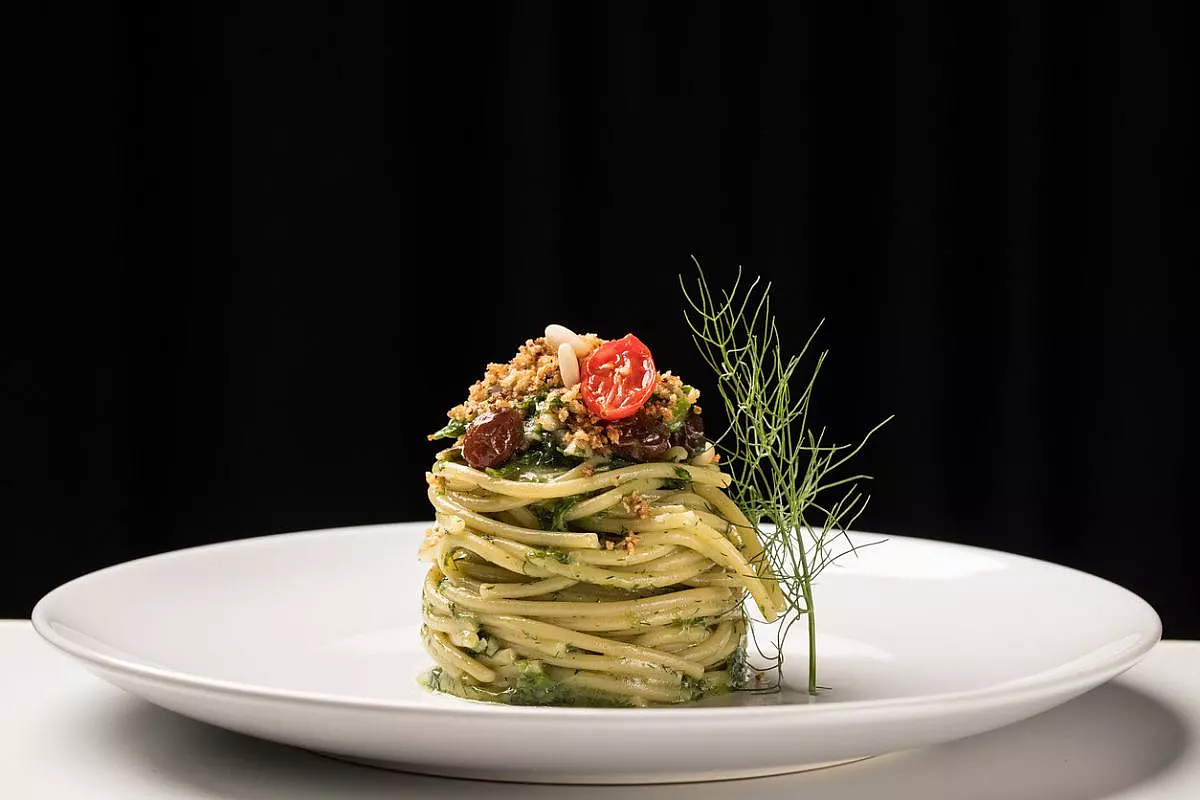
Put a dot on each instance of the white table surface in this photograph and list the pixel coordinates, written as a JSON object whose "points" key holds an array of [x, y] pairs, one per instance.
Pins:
{"points": [[67, 734]]}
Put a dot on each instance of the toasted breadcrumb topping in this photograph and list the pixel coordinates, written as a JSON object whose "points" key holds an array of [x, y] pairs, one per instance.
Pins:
{"points": [[635, 504], [430, 544], [532, 383]]}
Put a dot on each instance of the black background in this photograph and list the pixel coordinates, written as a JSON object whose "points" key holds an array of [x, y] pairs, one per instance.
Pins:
{"points": [[272, 248]]}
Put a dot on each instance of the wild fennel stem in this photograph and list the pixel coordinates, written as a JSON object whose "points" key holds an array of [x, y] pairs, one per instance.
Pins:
{"points": [[779, 465]]}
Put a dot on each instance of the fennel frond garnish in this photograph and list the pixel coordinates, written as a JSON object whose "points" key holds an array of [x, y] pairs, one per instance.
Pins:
{"points": [[783, 472]]}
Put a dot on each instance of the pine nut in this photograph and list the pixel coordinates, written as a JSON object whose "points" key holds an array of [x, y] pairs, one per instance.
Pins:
{"points": [[568, 365], [556, 335]]}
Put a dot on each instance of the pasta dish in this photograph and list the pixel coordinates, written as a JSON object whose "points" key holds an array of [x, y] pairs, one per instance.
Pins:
{"points": [[585, 551]]}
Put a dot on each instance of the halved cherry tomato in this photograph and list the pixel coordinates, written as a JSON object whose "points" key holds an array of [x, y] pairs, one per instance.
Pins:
{"points": [[617, 378]]}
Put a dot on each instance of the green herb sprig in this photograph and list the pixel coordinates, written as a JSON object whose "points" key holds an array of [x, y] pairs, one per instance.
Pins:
{"points": [[783, 471]]}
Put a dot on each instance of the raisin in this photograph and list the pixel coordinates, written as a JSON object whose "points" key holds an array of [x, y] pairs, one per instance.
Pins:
{"points": [[690, 435], [641, 438], [492, 438]]}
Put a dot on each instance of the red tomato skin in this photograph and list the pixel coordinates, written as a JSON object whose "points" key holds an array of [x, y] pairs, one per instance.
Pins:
{"points": [[617, 378]]}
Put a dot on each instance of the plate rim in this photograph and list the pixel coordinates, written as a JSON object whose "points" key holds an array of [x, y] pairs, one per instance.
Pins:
{"points": [[1032, 686]]}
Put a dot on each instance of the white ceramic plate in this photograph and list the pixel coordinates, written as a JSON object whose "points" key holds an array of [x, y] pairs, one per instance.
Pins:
{"points": [[311, 639]]}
